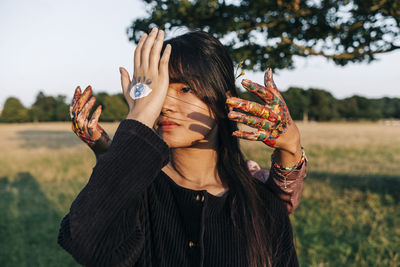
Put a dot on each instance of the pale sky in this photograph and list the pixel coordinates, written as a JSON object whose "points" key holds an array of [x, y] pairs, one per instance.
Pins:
{"points": [[55, 45]]}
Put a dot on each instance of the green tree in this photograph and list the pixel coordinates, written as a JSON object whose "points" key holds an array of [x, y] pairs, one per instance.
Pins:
{"points": [[14, 111], [49, 108], [297, 102], [114, 108], [390, 107], [100, 97], [44, 108], [359, 107], [323, 106], [271, 32], [61, 112], [347, 108]]}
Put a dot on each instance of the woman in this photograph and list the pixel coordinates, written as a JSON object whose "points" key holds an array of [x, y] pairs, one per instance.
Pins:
{"points": [[187, 199]]}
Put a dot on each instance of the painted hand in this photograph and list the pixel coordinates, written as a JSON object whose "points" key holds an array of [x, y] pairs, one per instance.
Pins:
{"points": [[89, 131], [146, 92], [271, 120]]}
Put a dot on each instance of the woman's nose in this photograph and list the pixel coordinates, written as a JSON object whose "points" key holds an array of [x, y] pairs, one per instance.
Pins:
{"points": [[170, 102]]}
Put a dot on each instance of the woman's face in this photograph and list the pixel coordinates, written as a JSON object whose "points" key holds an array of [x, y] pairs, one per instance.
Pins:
{"points": [[185, 120]]}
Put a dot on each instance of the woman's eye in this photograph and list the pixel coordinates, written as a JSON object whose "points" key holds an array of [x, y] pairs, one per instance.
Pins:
{"points": [[186, 90]]}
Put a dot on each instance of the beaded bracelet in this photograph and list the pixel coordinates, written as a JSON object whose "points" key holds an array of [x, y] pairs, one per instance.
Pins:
{"points": [[283, 168]]}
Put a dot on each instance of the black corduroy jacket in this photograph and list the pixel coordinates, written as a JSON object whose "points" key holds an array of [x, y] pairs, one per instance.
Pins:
{"points": [[131, 213]]}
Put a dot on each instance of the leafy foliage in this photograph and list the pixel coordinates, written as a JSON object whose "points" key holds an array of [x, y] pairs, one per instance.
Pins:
{"points": [[272, 32], [48, 108], [313, 104], [320, 105], [298, 102], [115, 108], [14, 111]]}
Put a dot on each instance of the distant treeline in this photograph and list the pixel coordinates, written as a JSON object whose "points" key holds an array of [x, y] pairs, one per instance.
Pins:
{"points": [[320, 105], [49, 108], [312, 104]]}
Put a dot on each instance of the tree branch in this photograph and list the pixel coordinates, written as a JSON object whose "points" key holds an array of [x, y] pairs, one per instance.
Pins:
{"points": [[307, 51], [276, 21]]}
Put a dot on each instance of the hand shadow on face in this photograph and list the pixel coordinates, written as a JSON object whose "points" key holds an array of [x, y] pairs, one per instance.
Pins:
{"points": [[206, 127]]}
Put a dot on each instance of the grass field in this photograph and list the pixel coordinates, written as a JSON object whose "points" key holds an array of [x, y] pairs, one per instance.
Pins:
{"points": [[349, 214]]}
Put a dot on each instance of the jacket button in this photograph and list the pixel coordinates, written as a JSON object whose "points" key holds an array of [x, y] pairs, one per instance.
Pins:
{"points": [[191, 244]]}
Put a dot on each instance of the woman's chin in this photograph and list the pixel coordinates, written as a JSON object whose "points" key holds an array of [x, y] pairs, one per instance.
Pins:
{"points": [[179, 141]]}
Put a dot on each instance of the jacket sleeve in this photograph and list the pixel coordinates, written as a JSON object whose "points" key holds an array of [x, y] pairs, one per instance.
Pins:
{"points": [[103, 225], [288, 185]]}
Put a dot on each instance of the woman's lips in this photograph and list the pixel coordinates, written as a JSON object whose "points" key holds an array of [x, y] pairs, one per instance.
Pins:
{"points": [[168, 125]]}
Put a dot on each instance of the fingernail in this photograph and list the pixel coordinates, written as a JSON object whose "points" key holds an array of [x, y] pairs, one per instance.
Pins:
{"points": [[87, 91], [154, 29], [231, 101], [143, 36]]}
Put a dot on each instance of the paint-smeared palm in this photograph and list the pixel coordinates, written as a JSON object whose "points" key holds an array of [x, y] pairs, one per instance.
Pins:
{"points": [[89, 131], [271, 120]]}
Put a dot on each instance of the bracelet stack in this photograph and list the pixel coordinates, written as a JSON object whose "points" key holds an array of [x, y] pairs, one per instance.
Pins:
{"points": [[280, 168], [283, 168]]}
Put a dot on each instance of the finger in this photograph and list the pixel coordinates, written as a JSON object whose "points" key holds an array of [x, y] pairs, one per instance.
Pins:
{"points": [[145, 51], [88, 107], [95, 118], [269, 80], [83, 115], [163, 68], [252, 136], [253, 108], [155, 51], [136, 60], [87, 135], [94, 128], [125, 81], [82, 101], [74, 129], [251, 121], [263, 92], [77, 94]]}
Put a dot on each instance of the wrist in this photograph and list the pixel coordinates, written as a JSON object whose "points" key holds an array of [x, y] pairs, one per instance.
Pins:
{"points": [[282, 162], [149, 122], [289, 142], [102, 144], [287, 158], [293, 147]]}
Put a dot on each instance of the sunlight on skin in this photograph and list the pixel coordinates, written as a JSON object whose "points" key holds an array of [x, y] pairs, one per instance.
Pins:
{"points": [[271, 120]]}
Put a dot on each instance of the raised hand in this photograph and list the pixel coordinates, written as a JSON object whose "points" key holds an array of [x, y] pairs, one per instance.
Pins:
{"points": [[89, 131], [271, 120], [146, 93]]}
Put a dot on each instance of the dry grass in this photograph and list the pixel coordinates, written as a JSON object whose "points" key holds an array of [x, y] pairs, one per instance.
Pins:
{"points": [[346, 148], [349, 214]]}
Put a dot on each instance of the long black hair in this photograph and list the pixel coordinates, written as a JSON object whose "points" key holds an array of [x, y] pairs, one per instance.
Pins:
{"points": [[202, 62]]}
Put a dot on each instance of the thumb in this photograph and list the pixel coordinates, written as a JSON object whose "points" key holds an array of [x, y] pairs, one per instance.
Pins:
{"points": [[268, 79], [125, 81]]}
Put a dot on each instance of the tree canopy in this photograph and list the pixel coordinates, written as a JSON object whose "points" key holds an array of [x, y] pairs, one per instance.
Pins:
{"points": [[48, 108], [14, 111], [271, 32], [312, 104]]}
